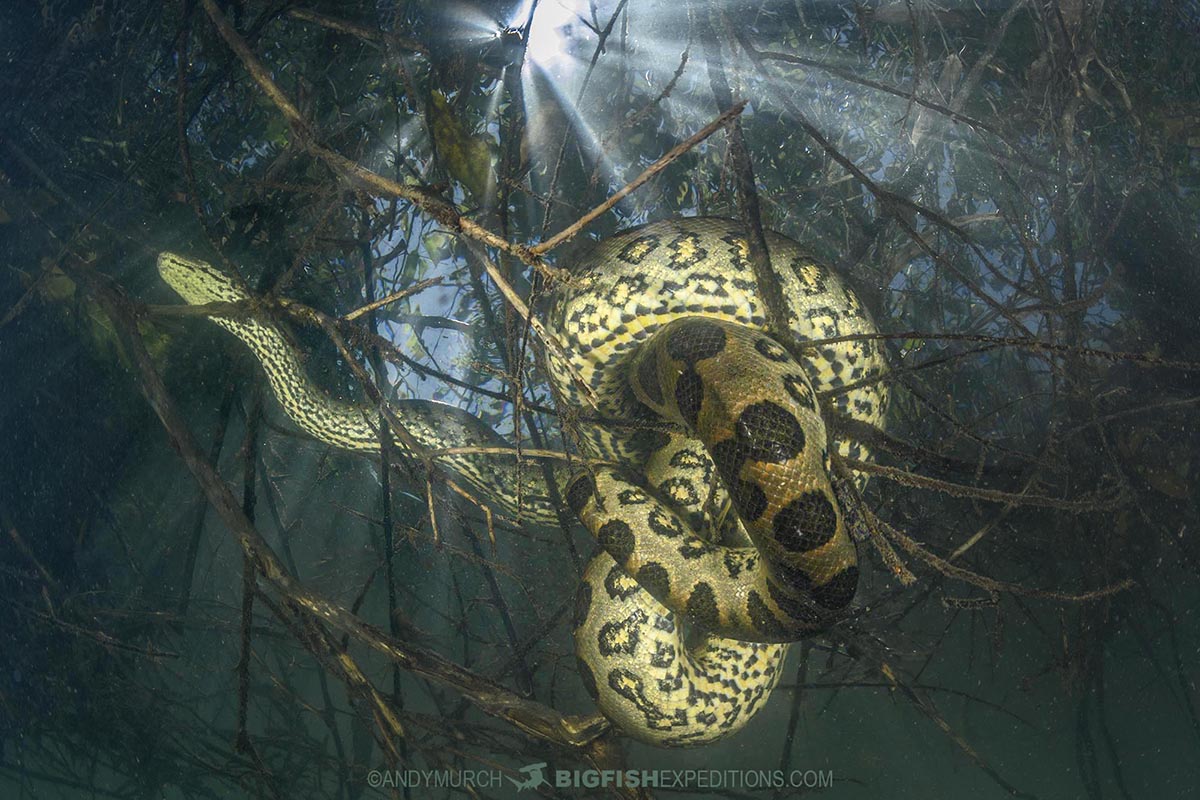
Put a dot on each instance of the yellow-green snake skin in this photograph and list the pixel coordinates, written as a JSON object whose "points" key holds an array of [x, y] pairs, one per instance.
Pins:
{"points": [[727, 523]]}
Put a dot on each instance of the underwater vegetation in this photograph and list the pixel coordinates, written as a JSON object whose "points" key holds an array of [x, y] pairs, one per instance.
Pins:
{"points": [[702, 399]]}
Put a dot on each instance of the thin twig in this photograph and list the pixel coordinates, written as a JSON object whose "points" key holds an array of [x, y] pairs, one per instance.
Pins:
{"points": [[1115, 356], [658, 166], [358, 31], [1095, 502], [355, 173], [420, 286], [529, 716], [991, 585]]}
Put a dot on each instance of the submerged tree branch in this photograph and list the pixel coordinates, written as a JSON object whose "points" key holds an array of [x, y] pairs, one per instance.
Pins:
{"points": [[529, 716]]}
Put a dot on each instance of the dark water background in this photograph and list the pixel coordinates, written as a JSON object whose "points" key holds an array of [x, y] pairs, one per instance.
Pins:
{"points": [[996, 171]]}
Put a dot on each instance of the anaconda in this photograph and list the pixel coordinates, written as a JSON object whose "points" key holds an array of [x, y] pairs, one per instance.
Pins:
{"points": [[718, 511]]}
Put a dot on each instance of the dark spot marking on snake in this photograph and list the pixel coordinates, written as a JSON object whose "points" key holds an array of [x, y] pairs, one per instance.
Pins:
{"points": [[839, 591], [687, 240], [649, 440], [647, 378], [817, 286], [664, 523], [663, 656], [735, 711], [800, 390], [697, 696], [761, 616], [728, 456], [689, 394], [693, 340], [791, 576], [769, 432], [629, 685], [737, 248], [583, 603], [579, 492], [743, 285], [632, 497], [654, 579], [770, 349], [687, 459], [702, 606], [681, 491], [618, 584], [622, 637], [634, 285], [798, 607], [587, 678], [751, 501], [694, 547], [616, 537], [807, 522], [735, 562], [636, 251]]}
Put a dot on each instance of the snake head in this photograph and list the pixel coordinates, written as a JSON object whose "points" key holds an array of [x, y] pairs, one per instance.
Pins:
{"points": [[198, 282]]}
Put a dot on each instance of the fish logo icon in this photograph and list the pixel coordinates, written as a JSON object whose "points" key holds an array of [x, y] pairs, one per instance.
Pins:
{"points": [[534, 777]]}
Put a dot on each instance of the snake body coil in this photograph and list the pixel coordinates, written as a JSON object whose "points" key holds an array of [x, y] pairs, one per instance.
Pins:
{"points": [[727, 523]]}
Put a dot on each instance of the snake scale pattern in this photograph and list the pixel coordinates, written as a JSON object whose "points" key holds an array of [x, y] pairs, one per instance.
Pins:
{"points": [[722, 539]]}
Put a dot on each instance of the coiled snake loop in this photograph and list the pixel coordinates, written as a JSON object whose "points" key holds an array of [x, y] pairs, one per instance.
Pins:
{"points": [[727, 525]]}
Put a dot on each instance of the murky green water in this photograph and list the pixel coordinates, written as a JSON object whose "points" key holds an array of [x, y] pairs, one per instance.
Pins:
{"points": [[200, 600]]}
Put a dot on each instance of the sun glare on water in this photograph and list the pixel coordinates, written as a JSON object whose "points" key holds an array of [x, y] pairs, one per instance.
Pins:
{"points": [[555, 29]]}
